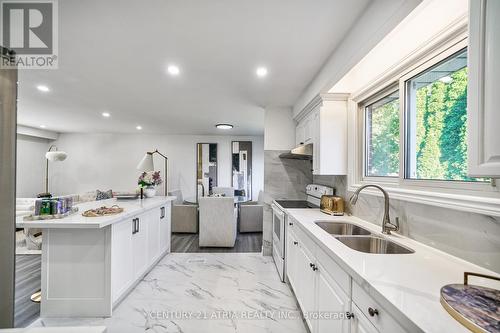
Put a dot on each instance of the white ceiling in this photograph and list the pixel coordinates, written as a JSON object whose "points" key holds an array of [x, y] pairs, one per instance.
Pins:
{"points": [[113, 57]]}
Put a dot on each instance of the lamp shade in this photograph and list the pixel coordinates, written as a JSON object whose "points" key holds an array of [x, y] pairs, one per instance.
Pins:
{"points": [[146, 164], [56, 156]]}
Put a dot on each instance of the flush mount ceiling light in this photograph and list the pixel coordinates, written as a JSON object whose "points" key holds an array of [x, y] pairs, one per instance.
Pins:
{"points": [[173, 70], [224, 126], [106, 114], [261, 72], [43, 88], [138, 127]]}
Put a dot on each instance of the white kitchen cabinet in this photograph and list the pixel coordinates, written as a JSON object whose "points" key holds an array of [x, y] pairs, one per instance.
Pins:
{"points": [[306, 283], [330, 298], [319, 288], [121, 252], [140, 245], [165, 231], [324, 124], [484, 79], [153, 242], [359, 323], [300, 134]]}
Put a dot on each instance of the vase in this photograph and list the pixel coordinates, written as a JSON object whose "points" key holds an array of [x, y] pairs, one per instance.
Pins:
{"points": [[149, 191]]}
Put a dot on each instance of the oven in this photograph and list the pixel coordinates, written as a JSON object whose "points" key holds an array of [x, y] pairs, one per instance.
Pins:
{"points": [[279, 239]]}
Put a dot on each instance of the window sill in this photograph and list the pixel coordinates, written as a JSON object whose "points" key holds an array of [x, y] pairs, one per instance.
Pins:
{"points": [[487, 204]]}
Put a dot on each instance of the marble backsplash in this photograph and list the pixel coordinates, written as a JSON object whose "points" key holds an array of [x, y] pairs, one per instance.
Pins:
{"points": [[283, 179], [470, 236]]}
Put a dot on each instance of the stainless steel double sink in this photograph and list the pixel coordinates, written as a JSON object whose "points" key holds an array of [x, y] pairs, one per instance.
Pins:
{"points": [[361, 239]]}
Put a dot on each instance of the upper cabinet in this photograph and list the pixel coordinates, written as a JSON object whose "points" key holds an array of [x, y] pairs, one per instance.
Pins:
{"points": [[324, 124], [484, 79]]}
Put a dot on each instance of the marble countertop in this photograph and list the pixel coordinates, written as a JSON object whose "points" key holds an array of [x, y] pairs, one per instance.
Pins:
{"points": [[406, 285], [76, 220]]}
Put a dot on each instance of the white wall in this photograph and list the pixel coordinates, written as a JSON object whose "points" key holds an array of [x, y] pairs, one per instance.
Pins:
{"points": [[279, 129], [380, 17], [30, 170], [109, 161]]}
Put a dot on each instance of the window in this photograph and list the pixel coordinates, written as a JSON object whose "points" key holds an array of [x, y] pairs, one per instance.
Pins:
{"points": [[382, 137], [436, 113], [435, 124]]}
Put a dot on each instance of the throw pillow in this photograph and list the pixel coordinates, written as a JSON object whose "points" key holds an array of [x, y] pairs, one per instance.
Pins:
{"points": [[103, 195]]}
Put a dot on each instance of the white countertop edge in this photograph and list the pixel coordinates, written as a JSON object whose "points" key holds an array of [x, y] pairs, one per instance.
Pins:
{"points": [[100, 222], [408, 320]]}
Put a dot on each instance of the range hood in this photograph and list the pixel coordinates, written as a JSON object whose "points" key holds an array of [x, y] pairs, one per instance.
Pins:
{"points": [[302, 152]]}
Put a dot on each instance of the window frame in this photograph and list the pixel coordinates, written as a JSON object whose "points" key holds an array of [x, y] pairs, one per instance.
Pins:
{"points": [[479, 197]]}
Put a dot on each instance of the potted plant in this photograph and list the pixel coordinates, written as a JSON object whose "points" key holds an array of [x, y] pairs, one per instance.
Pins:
{"points": [[149, 180]]}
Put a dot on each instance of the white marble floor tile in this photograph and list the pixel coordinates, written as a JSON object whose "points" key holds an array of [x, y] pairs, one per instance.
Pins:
{"points": [[203, 292]]}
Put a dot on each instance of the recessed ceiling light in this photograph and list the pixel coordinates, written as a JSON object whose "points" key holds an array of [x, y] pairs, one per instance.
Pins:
{"points": [[42, 126], [224, 126], [106, 114], [173, 70], [261, 71], [43, 88], [446, 79], [138, 127]]}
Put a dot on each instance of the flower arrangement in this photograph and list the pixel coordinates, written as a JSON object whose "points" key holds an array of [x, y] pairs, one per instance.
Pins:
{"points": [[150, 178]]}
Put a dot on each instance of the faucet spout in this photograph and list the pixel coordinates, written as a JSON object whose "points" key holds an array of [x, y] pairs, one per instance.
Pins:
{"points": [[387, 225]]}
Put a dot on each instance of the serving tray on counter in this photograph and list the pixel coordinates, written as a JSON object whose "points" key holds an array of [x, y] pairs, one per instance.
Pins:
{"points": [[50, 217], [475, 307]]}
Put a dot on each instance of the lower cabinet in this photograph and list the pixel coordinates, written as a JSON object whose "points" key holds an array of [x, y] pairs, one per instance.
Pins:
{"points": [[329, 299], [165, 231], [321, 299], [136, 244], [140, 245], [359, 323]]}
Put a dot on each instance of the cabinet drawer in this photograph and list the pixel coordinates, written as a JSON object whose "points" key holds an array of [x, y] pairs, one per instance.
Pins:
{"points": [[378, 316], [304, 240], [334, 270]]}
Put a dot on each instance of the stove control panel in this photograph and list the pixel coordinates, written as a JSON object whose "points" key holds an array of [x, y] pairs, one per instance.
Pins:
{"points": [[316, 190]]}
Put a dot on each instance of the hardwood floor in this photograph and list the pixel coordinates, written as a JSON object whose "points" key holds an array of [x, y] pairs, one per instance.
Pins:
{"points": [[245, 242], [28, 281]]}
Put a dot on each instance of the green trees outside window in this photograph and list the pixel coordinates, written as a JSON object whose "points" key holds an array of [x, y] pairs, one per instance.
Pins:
{"points": [[436, 126]]}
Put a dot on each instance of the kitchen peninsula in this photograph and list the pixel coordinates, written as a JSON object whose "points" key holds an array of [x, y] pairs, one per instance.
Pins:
{"points": [[89, 264]]}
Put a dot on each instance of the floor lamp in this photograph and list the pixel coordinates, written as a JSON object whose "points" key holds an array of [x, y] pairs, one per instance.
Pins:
{"points": [[146, 164], [52, 155]]}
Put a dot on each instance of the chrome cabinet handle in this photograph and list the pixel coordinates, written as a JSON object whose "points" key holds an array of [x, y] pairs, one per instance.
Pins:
{"points": [[372, 312], [138, 224]]}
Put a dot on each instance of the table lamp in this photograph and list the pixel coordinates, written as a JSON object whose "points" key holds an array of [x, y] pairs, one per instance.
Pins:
{"points": [[146, 164]]}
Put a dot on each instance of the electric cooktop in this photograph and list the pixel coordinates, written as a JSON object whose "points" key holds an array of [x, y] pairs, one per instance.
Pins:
{"points": [[295, 204]]}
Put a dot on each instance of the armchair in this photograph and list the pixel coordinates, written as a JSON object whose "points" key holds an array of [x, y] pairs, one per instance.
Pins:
{"points": [[184, 216], [218, 220], [251, 216]]}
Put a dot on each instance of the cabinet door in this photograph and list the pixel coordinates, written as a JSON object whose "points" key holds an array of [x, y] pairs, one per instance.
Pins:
{"points": [[122, 273], [308, 129], [330, 299], [359, 323], [299, 134], [165, 225], [291, 259], [140, 246], [306, 283], [484, 79], [153, 221], [316, 142]]}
